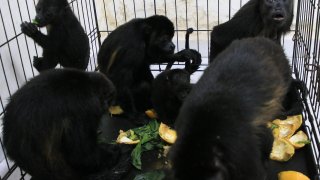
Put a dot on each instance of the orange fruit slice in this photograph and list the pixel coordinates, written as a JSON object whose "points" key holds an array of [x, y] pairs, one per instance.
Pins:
{"points": [[282, 150], [292, 175], [151, 113], [167, 134], [299, 140], [115, 110]]}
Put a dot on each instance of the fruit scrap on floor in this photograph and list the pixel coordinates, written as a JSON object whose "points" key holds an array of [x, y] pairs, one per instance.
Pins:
{"points": [[151, 113], [147, 138], [292, 175], [115, 110], [286, 140]]}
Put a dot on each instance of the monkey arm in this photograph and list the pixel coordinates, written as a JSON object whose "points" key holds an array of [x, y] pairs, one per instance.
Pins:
{"points": [[32, 31]]}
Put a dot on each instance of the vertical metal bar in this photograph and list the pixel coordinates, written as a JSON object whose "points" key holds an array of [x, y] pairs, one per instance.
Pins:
{"points": [[177, 27], [35, 46], [165, 7], [144, 6], [229, 9], [115, 13], [105, 15], [187, 15], [197, 11], [124, 11], [83, 17], [17, 41], [134, 8], [218, 12], [5, 76], [25, 38], [155, 6], [7, 39], [96, 20]]}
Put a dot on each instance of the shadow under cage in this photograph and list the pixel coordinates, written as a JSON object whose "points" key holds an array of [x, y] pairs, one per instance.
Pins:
{"points": [[100, 17]]}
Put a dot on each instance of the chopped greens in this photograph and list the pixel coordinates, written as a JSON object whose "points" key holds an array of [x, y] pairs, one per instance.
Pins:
{"points": [[34, 21], [152, 175], [273, 126], [149, 140], [132, 135], [304, 142]]}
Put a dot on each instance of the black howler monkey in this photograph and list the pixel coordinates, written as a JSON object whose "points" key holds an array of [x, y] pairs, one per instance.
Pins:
{"points": [[171, 87], [50, 127], [66, 42], [221, 126], [267, 18], [127, 53]]}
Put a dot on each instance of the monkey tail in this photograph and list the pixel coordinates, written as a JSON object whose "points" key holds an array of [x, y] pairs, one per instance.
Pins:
{"points": [[189, 31], [187, 65]]}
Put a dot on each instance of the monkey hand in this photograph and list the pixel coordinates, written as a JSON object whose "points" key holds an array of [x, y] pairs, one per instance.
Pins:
{"points": [[195, 62], [29, 29], [192, 58], [37, 62], [187, 55]]}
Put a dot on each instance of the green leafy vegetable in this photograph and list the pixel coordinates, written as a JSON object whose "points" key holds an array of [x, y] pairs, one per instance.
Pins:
{"points": [[152, 175], [149, 140], [304, 142], [132, 135], [273, 126], [34, 21]]}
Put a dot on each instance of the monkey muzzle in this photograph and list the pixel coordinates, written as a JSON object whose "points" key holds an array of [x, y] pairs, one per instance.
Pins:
{"points": [[278, 16]]}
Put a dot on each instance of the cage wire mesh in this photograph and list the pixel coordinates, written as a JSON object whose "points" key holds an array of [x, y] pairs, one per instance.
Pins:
{"points": [[100, 17], [306, 67]]}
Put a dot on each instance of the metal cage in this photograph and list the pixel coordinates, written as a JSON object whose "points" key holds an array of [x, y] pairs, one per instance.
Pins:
{"points": [[100, 17]]}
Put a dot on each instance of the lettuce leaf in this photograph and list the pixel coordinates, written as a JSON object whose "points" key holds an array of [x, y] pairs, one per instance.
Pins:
{"points": [[149, 140]]}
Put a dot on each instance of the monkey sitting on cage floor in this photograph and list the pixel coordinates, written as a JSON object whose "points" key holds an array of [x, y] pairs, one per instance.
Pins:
{"points": [[66, 42], [221, 126], [265, 18], [50, 128], [126, 55], [171, 87]]}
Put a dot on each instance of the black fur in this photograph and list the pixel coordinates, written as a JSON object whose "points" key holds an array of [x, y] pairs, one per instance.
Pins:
{"points": [[221, 124], [255, 18], [50, 127], [170, 88], [66, 42], [292, 104], [126, 54]]}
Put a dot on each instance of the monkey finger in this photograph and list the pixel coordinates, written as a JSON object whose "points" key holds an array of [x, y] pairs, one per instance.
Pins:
{"points": [[184, 55], [194, 55], [28, 28], [24, 28], [32, 27]]}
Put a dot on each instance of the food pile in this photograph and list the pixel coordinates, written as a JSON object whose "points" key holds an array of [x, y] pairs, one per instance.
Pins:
{"points": [[152, 136], [286, 139]]}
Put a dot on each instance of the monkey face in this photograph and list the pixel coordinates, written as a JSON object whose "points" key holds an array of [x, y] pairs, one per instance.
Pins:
{"points": [[161, 43], [277, 12], [47, 11]]}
